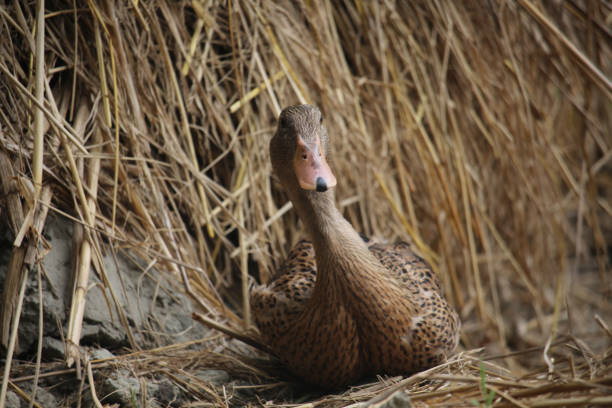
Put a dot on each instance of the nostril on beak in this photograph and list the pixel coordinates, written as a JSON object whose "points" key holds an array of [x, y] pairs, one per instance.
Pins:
{"points": [[321, 185]]}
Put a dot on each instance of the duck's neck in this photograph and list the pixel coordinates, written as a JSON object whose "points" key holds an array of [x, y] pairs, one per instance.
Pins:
{"points": [[339, 250], [321, 217]]}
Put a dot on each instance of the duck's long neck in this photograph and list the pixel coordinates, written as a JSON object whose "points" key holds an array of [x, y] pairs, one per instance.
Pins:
{"points": [[320, 216], [340, 251]]}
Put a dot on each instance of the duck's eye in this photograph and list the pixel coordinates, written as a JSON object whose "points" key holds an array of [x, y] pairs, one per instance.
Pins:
{"points": [[304, 156], [321, 120]]}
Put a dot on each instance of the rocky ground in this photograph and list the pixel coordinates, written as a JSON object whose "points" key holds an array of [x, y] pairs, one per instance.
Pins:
{"points": [[157, 316]]}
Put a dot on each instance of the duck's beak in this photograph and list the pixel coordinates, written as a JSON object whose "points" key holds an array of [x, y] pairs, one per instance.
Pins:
{"points": [[311, 168]]}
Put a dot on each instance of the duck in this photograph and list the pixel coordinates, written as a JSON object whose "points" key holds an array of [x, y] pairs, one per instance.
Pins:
{"points": [[343, 307]]}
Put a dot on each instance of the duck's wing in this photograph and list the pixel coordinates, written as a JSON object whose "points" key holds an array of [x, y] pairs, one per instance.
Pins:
{"points": [[436, 324], [409, 268], [276, 305], [301, 259]]}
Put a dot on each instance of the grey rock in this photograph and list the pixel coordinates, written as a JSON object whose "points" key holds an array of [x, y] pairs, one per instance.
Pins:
{"points": [[12, 400], [168, 394], [97, 308], [103, 334], [52, 349], [399, 399], [215, 377], [123, 389], [55, 281], [101, 354], [120, 389], [43, 397]]}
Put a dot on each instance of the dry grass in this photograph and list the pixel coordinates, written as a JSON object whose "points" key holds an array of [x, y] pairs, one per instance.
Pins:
{"points": [[475, 129]]}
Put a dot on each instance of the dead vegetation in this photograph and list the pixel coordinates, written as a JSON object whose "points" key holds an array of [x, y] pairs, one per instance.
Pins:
{"points": [[478, 130]]}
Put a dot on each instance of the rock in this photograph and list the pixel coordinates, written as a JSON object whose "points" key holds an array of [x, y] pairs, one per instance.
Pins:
{"points": [[215, 377], [123, 389], [97, 309], [398, 399], [168, 394], [103, 334], [55, 282], [120, 389], [43, 397], [12, 399], [52, 349], [100, 354]]}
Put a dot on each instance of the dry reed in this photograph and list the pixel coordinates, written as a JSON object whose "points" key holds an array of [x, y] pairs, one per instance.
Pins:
{"points": [[478, 130]]}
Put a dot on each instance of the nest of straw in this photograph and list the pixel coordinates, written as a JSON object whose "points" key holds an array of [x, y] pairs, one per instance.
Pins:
{"points": [[477, 130]]}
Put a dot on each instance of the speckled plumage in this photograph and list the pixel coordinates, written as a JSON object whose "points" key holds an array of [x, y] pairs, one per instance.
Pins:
{"points": [[341, 308]]}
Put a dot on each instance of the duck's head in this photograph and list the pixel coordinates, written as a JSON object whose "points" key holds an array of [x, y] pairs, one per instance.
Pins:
{"points": [[299, 148]]}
